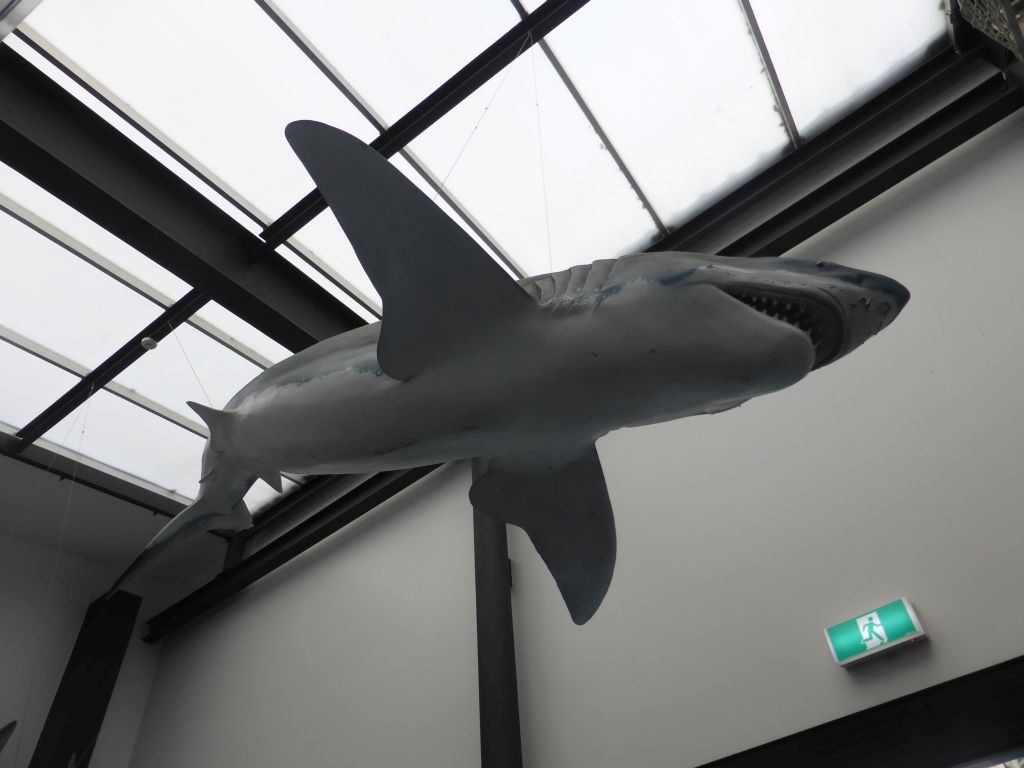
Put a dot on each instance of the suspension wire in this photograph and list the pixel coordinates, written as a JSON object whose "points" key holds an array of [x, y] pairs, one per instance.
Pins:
{"points": [[174, 333], [20, 517], [53, 571], [540, 152], [442, 184]]}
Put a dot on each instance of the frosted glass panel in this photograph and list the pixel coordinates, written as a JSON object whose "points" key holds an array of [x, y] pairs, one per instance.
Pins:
{"points": [[238, 329], [832, 55], [28, 385], [521, 182], [220, 80], [188, 365], [60, 301], [395, 54], [134, 441], [679, 90]]}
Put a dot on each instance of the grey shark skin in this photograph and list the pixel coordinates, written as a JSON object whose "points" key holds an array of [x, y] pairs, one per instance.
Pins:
{"points": [[5, 733], [524, 378]]}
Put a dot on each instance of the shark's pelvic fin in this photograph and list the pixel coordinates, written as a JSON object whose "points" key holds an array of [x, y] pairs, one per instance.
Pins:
{"points": [[442, 293], [270, 476], [561, 501], [216, 421]]}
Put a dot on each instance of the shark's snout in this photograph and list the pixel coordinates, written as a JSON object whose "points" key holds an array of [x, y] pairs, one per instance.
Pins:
{"points": [[870, 302]]}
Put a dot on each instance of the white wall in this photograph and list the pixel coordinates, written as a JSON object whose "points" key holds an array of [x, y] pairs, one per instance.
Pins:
{"points": [[362, 652], [894, 472], [38, 627]]}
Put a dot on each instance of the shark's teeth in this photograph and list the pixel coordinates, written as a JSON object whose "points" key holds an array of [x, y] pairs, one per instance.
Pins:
{"points": [[791, 312]]}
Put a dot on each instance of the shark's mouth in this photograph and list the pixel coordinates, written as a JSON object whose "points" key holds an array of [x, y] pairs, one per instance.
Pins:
{"points": [[816, 318]]}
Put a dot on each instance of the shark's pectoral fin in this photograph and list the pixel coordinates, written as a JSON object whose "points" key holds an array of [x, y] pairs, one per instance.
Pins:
{"points": [[5, 733], [442, 293], [562, 504]]}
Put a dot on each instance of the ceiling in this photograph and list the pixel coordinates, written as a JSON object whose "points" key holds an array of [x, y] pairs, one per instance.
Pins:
{"points": [[630, 119]]}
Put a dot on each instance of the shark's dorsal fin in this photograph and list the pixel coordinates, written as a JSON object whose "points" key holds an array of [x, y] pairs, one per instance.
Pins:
{"points": [[561, 501], [442, 293]]}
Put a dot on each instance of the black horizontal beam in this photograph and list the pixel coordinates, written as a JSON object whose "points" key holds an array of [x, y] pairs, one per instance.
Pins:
{"points": [[446, 97], [971, 720], [856, 135], [67, 468], [950, 127], [176, 314], [306, 534], [56, 141]]}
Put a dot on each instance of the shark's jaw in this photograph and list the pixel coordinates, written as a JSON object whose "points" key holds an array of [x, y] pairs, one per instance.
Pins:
{"points": [[816, 317]]}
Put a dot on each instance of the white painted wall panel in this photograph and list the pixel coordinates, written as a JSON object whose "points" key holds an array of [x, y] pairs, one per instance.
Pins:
{"points": [[361, 652]]}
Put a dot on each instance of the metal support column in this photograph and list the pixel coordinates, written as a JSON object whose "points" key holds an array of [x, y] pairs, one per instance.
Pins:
{"points": [[500, 741], [76, 715]]}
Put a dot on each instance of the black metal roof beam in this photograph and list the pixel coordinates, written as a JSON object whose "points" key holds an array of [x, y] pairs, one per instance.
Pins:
{"points": [[190, 164], [306, 534], [934, 83], [496, 56], [84, 474], [931, 139], [591, 118], [57, 142], [106, 371], [795, 140]]}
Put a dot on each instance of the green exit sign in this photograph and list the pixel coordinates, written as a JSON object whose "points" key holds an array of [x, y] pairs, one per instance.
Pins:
{"points": [[882, 629]]}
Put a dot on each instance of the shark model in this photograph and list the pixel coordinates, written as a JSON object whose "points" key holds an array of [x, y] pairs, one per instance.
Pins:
{"points": [[5, 733], [468, 363]]}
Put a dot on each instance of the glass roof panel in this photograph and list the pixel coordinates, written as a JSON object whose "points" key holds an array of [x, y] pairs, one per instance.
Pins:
{"points": [[134, 441], [392, 55], [222, 84], [832, 56], [28, 385], [236, 328], [60, 301], [679, 89], [188, 365], [522, 157]]}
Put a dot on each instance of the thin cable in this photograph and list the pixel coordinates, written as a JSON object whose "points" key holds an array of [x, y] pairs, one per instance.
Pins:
{"points": [[16, 525], [483, 114], [53, 570], [540, 152], [181, 346]]}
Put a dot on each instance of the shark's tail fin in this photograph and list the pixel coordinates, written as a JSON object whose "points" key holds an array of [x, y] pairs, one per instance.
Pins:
{"points": [[204, 514]]}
